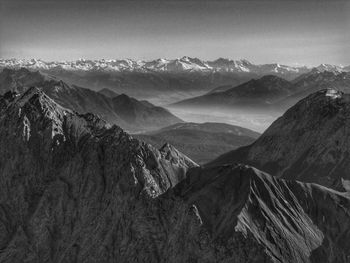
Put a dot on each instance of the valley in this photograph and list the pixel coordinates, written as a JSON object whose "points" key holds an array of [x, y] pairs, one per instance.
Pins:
{"points": [[209, 178]]}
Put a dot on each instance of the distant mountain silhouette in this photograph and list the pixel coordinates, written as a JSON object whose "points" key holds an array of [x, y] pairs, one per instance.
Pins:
{"points": [[314, 81], [202, 142], [162, 81], [127, 112], [255, 93], [270, 93]]}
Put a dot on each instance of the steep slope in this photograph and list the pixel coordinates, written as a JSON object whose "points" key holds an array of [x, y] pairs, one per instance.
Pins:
{"points": [[252, 94], [292, 221], [310, 142], [74, 189], [271, 92], [68, 182], [108, 93], [19, 80], [160, 87], [312, 82], [141, 113], [143, 116], [201, 141]]}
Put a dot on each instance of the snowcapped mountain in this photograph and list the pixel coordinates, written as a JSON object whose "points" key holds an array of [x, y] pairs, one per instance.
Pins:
{"points": [[184, 64], [331, 68]]}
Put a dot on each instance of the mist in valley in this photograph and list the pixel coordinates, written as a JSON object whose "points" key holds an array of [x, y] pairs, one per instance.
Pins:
{"points": [[252, 119], [174, 131]]}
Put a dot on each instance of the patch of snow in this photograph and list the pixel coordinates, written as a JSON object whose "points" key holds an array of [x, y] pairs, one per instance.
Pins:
{"points": [[196, 212], [26, 128], [346, 184], [334, 94]]}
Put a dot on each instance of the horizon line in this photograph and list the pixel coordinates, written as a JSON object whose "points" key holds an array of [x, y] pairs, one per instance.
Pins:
{"points": [[296, 64]]}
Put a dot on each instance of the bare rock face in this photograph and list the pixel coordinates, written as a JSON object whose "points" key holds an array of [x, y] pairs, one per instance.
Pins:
{"points": [[75, 189], [129, 113], [71, 183], [310, 142], [19, 80], [292, 221]]}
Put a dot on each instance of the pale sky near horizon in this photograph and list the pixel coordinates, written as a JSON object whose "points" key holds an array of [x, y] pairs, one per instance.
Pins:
{"points": [[266, 31]]}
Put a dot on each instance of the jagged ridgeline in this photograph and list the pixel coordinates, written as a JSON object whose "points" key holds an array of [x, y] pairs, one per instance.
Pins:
{"points": [[129, 113], [310, 142], [76, 189]]}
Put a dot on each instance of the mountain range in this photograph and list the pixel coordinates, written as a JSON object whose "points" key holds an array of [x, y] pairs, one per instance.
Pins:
{"points": [[161, 81], [129, 113], [174, 65], [255, 93], [202, 142], [310, 142], [269, 92], [76, 189]]}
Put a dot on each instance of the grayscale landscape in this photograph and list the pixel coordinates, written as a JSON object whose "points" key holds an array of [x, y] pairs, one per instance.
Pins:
{"points": [[174, 131]]}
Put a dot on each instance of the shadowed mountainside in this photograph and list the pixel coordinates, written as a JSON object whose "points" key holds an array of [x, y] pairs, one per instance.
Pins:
{"points": [[202, 142], [310, 142], [75, 189], [162, 81], [108, 93], [252, 94], [127, 112], [269, 93]]}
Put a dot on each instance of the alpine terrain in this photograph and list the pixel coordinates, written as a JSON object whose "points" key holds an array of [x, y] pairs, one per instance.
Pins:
{"points": [[310, 142], [202, 142], [129, 113], [76, 189]]}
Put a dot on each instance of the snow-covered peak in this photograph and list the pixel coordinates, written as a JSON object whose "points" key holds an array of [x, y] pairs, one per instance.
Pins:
{"points": [[331, 68], [183, 64]]}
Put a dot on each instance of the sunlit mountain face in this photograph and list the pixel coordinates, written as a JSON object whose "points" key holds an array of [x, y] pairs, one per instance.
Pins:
{"points": [[174, 131]]}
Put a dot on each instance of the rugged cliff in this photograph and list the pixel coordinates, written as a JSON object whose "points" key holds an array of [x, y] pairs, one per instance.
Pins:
{"points": [[127, 112], [75, 189], [310, 142], [71, 183]]}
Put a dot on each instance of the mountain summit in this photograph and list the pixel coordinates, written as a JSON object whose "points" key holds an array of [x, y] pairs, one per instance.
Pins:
{"points": [[260, 92], [127, 112], [76, 189], [308, 143], [183, 64]]}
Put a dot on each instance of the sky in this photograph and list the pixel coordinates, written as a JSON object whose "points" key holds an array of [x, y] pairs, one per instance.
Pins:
{"points": [[299, 32]]}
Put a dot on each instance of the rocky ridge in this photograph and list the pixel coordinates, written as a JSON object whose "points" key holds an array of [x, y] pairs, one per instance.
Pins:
{"points": [[310, 142], [127, 112], [75, 189], [183, 64]]}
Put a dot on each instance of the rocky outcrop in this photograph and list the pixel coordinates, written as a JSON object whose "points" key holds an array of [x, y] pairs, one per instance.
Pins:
{"points": [[291, 221], [310, 142], [71, 183], [19, 80], [126, 112], [75, 189]]}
